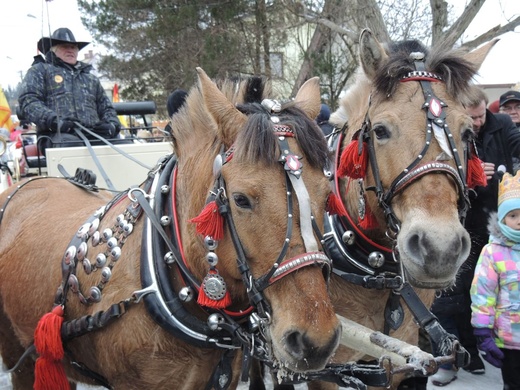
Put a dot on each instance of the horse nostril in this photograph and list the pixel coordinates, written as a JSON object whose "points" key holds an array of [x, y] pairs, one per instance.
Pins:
{"points": [[295, 344]]}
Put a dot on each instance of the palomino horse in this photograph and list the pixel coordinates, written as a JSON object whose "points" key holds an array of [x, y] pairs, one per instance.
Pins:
{"points": [[157, 294], [404, 164]]}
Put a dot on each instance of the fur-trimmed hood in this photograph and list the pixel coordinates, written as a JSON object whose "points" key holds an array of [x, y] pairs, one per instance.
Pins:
{"points": [[496, 235]]}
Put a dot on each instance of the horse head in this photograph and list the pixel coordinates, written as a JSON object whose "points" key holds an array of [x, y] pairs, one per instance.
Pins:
{"points": [[260, 165], [409, 143]]}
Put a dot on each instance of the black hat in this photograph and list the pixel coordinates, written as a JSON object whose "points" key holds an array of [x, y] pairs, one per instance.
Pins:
{"points": [[509, 96], [61, 35]]}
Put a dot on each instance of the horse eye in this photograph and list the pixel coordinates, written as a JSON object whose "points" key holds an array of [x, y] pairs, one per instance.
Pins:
{"points": [[242, 201], [381, 131]]}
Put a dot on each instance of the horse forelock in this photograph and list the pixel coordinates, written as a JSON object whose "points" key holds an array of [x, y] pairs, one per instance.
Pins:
{"points": [[258, 141], [193, 122], [449, 65]]}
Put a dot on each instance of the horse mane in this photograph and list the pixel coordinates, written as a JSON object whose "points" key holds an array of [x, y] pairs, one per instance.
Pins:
{"points": [[258, 140], [455, 71]]}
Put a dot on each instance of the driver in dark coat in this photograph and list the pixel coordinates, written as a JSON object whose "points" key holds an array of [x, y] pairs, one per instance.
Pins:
{"points": [[59, 90]]}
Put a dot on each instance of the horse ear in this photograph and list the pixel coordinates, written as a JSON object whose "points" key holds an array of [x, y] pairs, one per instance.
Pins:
{"points": [[478, 56], [229, 119], [308, 97], [371, 53]]}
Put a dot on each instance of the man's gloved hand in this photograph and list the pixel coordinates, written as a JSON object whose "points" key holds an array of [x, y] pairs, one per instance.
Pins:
{"points": [[486, 344], [105, 129], [64, 125]]}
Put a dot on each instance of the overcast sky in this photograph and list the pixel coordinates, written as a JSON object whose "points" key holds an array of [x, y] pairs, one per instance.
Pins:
{"points": [[24, 22]]}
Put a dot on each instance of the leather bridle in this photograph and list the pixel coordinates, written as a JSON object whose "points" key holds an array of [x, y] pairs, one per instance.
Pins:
{"points": [[437, 126]]}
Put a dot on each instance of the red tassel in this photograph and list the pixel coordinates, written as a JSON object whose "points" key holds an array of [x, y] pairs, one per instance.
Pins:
{"points": [[370, 221], [49, 371], [353, 163], [335, 205], [210, 222], [475, 176]]}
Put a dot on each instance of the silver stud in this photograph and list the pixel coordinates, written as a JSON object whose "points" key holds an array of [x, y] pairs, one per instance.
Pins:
{"points": [[106, 274], [107, 234], [70, 254], [94, 294], [96, 238], [127, 230], [165, 220], [348, 237], [165, 189], [82, 251], [87, 267], [186, 294], [214, 321], [120, 218], [93, 227], [212, 258], [115, 253], [168, 258], [101, 260], [73, 283], [376, 259], [210, 243], [112, 242], [83, 230]]}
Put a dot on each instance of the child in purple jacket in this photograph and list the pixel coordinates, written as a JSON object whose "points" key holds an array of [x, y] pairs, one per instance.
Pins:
{"points": [[495, 293]]}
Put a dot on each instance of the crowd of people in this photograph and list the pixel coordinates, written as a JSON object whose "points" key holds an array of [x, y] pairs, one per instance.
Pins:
{"points": [[483, 307]]}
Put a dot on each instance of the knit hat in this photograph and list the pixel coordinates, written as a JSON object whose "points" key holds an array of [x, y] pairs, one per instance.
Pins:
{"points": [[324, 114], [508, 194]]}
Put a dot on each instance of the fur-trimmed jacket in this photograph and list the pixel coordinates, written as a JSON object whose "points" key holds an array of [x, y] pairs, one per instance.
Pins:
{"points": [[495, 294]]}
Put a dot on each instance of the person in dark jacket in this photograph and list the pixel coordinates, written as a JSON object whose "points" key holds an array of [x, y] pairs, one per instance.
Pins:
{"points": [[59, 91], [498, 145]]}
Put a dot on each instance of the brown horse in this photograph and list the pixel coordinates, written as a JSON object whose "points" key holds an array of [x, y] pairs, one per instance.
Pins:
{"points": [[157, 294], [403, 155]]}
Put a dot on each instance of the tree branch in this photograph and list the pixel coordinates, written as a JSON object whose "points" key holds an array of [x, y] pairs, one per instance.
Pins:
{"points": [[492, 33]]}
